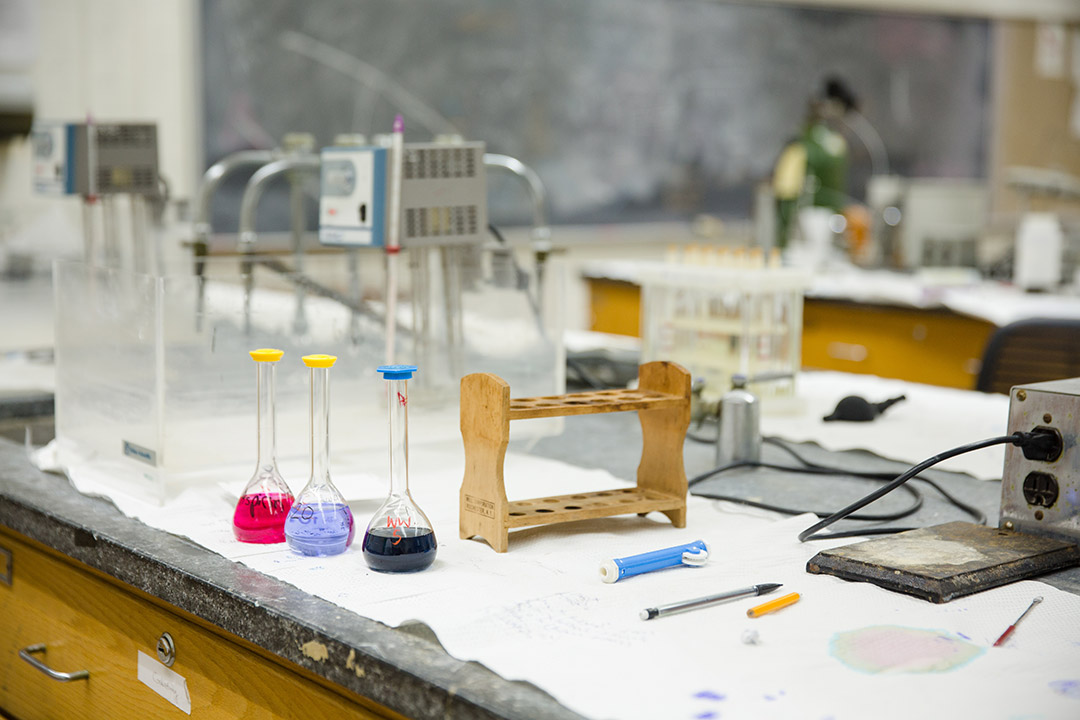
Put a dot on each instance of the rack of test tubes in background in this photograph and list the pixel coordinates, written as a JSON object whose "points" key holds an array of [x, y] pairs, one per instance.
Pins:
{"points": [[154, 380], [722, 311]]}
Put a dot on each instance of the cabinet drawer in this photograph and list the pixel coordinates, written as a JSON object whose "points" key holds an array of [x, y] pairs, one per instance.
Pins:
{"points": [[87, 623]]}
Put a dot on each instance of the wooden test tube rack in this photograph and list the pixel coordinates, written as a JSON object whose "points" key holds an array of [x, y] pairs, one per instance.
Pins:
{"points": [[662, 402]]}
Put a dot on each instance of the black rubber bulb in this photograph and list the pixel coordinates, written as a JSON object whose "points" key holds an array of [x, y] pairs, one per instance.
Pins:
{"points": [[858, 409]]}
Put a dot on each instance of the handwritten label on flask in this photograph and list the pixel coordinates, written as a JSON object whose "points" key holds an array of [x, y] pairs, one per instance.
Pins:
{"points": [[168, 684]]}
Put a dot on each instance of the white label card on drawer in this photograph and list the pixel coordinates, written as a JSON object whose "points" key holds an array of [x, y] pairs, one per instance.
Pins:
{"points": [[166, 683]]}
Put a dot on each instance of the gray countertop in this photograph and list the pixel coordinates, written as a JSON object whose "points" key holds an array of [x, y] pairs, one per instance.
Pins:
{"points": [[405, 669]]}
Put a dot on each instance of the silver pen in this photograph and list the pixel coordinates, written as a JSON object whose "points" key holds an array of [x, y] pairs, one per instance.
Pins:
{"points": [[678, 607]]}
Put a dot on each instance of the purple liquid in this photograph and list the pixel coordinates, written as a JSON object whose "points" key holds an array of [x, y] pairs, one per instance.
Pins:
{"points": [[319, 528], [260, 517], [411, 549]]}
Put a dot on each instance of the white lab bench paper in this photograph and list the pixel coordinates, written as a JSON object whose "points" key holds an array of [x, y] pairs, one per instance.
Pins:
{"points": [[932, 419], [540, 612]]}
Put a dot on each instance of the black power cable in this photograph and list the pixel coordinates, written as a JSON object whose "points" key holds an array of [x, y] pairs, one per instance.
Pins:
{"points": [[814, 468], [1018, 438], [914, 507], [978, 515]]}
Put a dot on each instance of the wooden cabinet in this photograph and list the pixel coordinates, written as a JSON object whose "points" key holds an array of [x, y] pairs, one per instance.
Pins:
{"points": [[936, 347], [90, 622]]}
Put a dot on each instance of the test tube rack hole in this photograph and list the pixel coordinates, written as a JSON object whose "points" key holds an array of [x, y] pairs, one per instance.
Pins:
{"points": [[662, 402]]}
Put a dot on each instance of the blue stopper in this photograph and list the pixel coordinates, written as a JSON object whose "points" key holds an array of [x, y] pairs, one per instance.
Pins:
{"points": [[397, 372]]}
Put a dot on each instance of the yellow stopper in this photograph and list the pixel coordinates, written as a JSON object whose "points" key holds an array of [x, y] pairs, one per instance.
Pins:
{"points": [[266, 355], [320, 361]]}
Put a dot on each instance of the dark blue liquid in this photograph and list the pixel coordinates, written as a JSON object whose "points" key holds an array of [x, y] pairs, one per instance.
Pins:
{"points": [[319, 528], [410, 550]]}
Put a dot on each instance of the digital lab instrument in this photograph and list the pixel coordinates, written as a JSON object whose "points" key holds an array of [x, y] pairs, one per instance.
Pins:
{"points": [[113, 167]]}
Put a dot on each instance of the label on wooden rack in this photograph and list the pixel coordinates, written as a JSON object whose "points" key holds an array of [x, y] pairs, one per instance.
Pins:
{"points": [[166, 683], [480, 507]]}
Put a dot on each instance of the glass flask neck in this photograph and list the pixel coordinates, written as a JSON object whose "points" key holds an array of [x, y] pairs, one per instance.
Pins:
{"points": [[266, 441], [320, 426], [397, 401]]}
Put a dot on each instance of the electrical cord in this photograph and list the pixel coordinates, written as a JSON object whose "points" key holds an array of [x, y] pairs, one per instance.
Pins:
{"points": [[584, 375], [1021, 439], [497, 234], [914, 507], [814, 468], [700, 438], [978, 515]]}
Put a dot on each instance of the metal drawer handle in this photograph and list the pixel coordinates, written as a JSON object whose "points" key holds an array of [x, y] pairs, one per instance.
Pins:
{"points": [[27, 655]]}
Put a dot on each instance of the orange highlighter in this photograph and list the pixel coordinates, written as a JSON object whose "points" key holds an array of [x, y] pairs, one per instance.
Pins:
{"points": [[773, 605]]}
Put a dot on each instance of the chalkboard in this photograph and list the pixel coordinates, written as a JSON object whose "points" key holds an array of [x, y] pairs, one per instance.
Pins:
{"points": [[628, 109]]}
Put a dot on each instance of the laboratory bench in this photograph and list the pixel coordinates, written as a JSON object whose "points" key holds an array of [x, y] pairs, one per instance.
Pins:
{"points": [[882, 323], [97, 588]]}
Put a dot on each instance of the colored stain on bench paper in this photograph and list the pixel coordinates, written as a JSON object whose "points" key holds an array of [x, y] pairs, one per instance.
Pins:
{"points": [[893, 649]]}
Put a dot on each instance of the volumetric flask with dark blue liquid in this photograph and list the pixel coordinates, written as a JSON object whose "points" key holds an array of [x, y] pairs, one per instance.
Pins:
{"points": [[320, 522], [399, 538]]}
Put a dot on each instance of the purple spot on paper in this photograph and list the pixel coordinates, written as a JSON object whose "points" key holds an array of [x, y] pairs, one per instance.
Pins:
{"points": [[963, 636], [706, 715], [1068, 688], [770, 698], [709, 695]]}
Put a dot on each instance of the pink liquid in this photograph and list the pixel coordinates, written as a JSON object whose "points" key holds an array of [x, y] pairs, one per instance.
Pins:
{"points": [[260, 517]]}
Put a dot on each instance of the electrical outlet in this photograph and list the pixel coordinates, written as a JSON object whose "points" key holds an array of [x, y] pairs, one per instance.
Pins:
{"points": [[1040, 490]]}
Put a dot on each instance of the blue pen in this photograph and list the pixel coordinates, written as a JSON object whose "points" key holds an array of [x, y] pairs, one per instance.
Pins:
{"points": [[693, 554]]}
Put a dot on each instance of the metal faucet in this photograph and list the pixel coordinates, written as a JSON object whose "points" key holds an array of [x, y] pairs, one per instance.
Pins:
{"points": [[212, 180], [293, 166], [204, 198], [541, 230]]}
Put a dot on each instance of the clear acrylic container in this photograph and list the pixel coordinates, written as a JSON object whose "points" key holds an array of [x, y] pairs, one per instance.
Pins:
{"points": [[154, 378]]}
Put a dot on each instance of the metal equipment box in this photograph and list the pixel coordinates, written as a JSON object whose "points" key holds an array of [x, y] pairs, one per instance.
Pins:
{"points": [[1042, 496], [443, 195], [95, 158]]}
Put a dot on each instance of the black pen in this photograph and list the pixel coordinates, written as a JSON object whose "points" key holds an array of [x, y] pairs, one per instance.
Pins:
{"points": [[660, 611]]}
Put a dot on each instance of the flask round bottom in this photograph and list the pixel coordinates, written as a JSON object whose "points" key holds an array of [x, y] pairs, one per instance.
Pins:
{"points": [[260, 517], [319, 529], [409, 550]]}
